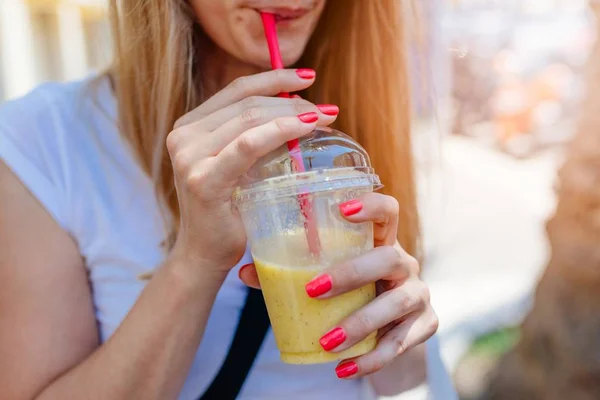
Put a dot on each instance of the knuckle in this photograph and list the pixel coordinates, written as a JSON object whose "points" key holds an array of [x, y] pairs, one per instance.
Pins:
{"points": [[182, 163], [300, 108], [252, 117], [393, 205], [246, 145], [251, 102], [281, 124], [302, 102], [239, 85], [425, 294], [403, 302], [411, 263], [433, 325], [377, 364], [196, 181], [382, 217], [400, 343], [363, 324], [392, 255], [172, 141], [352, 271]]}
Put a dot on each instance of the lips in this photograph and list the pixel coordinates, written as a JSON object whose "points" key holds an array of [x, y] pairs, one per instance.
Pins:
{"points": [[284, 14], [274, 4], [284, 10]]}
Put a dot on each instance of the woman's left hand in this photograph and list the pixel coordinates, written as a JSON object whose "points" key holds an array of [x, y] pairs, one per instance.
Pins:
{"points": [[402, 312]]}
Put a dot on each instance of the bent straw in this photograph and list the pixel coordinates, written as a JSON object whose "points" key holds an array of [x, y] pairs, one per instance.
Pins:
{"points": [[310, 225]]}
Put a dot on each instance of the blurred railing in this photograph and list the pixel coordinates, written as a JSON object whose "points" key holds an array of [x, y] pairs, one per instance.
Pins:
{"points": [[43, 40]]}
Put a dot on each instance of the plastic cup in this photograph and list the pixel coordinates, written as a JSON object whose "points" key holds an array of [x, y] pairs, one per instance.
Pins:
{"points": [[337, 170]]}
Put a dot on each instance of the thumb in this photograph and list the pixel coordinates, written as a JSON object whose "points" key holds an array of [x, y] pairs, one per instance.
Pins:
{"points": [[248, 275]]}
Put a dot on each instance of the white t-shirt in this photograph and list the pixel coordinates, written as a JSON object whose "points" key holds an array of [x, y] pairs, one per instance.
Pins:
{"points": [[61, 141]]}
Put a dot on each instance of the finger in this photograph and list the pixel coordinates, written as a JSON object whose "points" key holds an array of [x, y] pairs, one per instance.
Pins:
{"points": [[268, 83], [296, 96], [216, 119], [238, 156], [246, 109], [248, 275], [254, 117], [410, 333], [390, 307], [378, 208], [382, 263]]}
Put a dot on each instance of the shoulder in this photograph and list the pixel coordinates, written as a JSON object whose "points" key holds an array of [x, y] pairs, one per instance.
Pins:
{"points": [[51, 105], [41, 133]]}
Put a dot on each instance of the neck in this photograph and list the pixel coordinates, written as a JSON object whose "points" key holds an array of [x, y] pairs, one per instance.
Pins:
{"points": [[219, 69]]}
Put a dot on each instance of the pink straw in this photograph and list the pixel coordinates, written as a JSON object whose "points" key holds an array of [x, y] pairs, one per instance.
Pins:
{"points": [[270, 26], [310, 225]]}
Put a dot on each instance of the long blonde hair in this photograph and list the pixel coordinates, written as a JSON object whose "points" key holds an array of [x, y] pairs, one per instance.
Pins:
{"points": [[358, 51]]}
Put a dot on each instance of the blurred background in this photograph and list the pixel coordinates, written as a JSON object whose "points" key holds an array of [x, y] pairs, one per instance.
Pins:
{"points": [[499, 93]]}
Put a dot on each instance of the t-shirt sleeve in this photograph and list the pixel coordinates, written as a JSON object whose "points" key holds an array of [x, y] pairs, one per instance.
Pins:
{"points": [[30, 138]]}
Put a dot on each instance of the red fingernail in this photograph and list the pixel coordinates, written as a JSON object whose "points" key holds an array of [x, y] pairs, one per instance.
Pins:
{"points": [[351, 207], [309, 117], [346, 369], [306, 73], [318, 286], [329, 109], [333, 339], [243, 267]]}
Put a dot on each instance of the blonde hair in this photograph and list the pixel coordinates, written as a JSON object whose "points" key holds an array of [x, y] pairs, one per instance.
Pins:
{"points": [[358, 51]]}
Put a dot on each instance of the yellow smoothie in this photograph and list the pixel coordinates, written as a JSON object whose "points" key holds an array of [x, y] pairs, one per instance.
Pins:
{"points": [[299, 321]]}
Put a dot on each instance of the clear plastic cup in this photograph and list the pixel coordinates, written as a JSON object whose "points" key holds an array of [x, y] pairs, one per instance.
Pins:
{"points": [[272, 201]]}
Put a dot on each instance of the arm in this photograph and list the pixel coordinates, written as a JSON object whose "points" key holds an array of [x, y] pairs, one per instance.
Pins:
{"points": [[48, 337]]}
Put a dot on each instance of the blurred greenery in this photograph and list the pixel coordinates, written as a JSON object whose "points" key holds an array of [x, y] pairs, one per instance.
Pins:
{"points": [[496, 343]]}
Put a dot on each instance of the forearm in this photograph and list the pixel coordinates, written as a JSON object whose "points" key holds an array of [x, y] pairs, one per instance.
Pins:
{"points": [[150, 354], [404, 373]]}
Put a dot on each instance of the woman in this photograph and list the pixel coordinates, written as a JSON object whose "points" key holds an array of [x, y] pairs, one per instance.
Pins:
{"points": [[86, 208]]}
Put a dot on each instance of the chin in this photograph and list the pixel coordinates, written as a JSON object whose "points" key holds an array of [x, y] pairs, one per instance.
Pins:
{"points": [[291, 55], [261, 59]]}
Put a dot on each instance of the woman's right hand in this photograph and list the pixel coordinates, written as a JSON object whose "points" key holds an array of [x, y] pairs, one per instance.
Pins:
{"points": [[212, 146]]}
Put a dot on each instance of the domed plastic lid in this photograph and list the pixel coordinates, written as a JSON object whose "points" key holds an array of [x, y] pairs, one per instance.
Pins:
{"points": [[332, 160]]}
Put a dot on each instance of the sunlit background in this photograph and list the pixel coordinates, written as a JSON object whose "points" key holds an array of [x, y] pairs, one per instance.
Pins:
{"points": [[498, 89], [42, 40]]}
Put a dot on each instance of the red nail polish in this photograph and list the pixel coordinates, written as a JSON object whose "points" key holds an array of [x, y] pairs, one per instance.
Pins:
{"points": [[318, 286], [243, 267], [346, 369], [333, 339], [329, 109], [309, 117], [306, 73], [351, 207]]}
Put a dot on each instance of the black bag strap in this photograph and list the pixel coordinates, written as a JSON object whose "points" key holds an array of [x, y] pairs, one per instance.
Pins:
{"points": [[249, 335]]}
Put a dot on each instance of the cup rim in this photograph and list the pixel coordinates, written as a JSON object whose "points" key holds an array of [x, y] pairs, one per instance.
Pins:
{"points": [[308, 182]]}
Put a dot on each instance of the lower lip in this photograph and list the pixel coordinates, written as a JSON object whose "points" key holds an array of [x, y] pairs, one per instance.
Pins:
{"points": [[286, 20]]}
